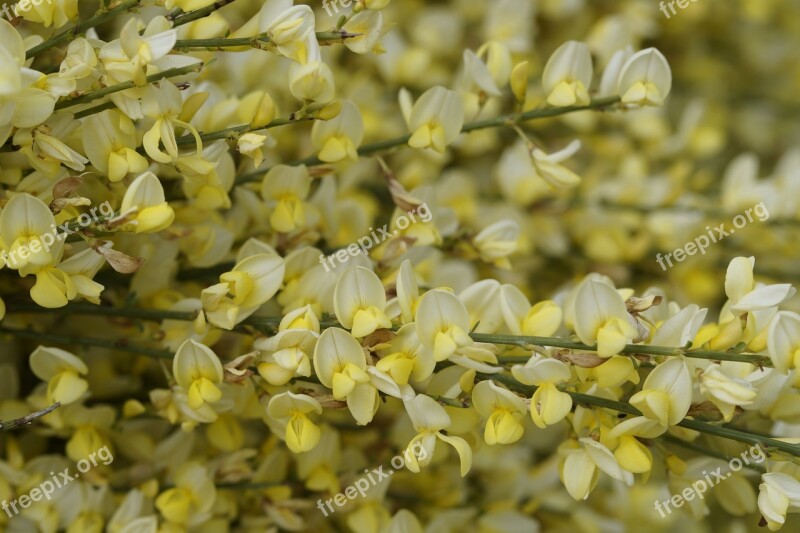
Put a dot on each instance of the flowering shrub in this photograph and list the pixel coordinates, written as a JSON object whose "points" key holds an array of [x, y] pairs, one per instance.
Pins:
{"points": [[179, 176]]}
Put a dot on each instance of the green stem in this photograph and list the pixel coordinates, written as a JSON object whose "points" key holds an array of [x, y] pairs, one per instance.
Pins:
{"points": [[235, 131], [709, 212], [28, 419], [510, 340], [702, 450], [123, 345], [96, 109], [100, 93], [191, 16], [630, 349], [502, 120], [252, 485], [220, 43], [696, 425], [120, 345], [82, 27]]}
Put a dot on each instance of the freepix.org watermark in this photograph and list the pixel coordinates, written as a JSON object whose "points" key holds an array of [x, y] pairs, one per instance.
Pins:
{"points": [[683, 4], [702, 242], [47, 488], [360, 486], [12, 12], [700, 486], [367, 242], [46, 240], [328, 4]]}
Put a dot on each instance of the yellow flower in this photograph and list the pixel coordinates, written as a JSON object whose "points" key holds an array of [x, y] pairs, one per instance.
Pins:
{"points": [[164, 105], [548, 404], [338, 138], [435, 120], [110, 141], [22, 105], [726, 391], [783, 341], [198, 370], [360, 301], [312, 81], [26, 226], [429, 419], [601, 318], [542, 319], [367, 26], [146, 201], [291, 410], [241, 291], [645, 78], [51, 13], [340, 365], [62, 371], [290, 28], [666, 394], [285, 189], [497, 241], [190, 501], [504, 411], [580, 467], [568, 75], [442, 324], [250, 144], [404, 357], [286, 355]]}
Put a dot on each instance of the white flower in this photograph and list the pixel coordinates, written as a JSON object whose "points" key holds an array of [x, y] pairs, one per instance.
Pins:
{"points": [[198, 370], [666, 394], [549, 167], [783, 341], [601, 318], [442, 323], [497, 241], [429, 419], [778, 494], [680, 328], [579, 469], [568, 75], [291, 411], [339, 138], [435, 120], [503, 410], [745, 294], [645, 79], [724, 391], [290, 28], [360, 302]]}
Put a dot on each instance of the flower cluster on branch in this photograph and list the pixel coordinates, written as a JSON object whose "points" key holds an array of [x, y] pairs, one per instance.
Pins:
{"points": [[178, 175]]}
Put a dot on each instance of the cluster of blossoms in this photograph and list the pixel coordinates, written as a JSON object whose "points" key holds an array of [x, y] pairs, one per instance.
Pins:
{"points": [[519, 348]]}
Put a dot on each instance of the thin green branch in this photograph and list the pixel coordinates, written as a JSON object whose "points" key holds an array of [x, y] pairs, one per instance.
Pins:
{"points": [[621, 407], [111, 89], [28, 419], [502, 120], [630, 349], [121, 345], [702, 450], [82, 27], [710, 212], [185, 18], [96, 109], [235, 131], [521, 341], [250, 485], [579, 398], [259, 41]]}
